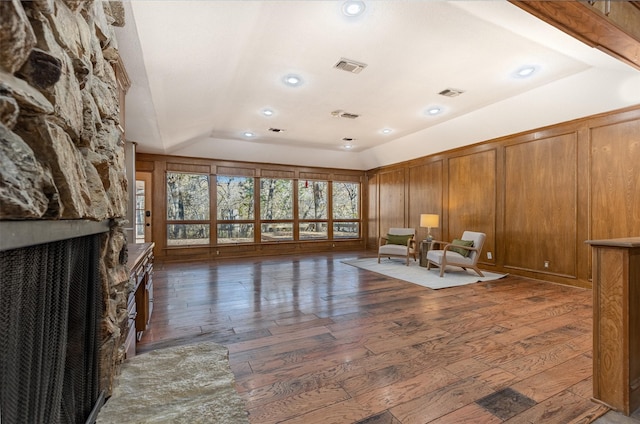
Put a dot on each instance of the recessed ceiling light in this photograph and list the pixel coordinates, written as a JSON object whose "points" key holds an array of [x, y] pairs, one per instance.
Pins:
{"points": [[248, 134], [525, 71], [434, 110], [267, 112], [386, 131], [292, 80], [347, 142], [353, 8]]}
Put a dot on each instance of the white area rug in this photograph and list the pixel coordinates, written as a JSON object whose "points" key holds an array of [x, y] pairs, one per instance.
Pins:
{"points": [[416, 274]]}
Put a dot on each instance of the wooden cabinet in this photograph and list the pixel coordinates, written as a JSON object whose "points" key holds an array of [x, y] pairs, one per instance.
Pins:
{"points": [[624, 14], [611, 26], [130, 342], [616, 323], [140, 305]]}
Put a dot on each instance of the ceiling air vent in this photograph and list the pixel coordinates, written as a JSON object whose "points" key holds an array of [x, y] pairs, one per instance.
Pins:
{"points": [[451, 92], [342, 114], [276, 130], [350, 65]]}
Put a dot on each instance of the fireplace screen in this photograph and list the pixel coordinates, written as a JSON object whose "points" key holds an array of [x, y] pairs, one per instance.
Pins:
{"points": [[50, 309]]}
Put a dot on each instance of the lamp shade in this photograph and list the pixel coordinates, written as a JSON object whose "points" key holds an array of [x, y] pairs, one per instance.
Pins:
{"points": [[429, 220]]}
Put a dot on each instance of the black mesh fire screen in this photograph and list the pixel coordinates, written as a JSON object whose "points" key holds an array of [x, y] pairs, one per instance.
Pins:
{"points": [[50, 308]]}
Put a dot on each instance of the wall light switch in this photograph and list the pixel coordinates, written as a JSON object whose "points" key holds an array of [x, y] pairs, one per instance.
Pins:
{"points": [[489, 255]]}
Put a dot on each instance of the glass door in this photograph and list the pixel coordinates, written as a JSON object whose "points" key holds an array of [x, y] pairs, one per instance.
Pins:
{"points": [[143, 207]]}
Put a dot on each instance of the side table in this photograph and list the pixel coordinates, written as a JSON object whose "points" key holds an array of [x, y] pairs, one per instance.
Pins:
{"points": [[425, 246]]}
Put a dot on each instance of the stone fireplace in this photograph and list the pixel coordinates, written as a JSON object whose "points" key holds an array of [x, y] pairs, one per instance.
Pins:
{"points": [[51, 311], [62, 164]]}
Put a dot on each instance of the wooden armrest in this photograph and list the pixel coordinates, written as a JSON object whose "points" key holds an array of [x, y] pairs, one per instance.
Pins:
{"points": [[434, 242], [458, 245]]}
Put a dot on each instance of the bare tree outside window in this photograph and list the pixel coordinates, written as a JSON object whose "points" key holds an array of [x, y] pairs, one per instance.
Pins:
{"points": [[276, 198], [312, 209], [346, 209], [276, 209], [235, 209], [187, 209], [235, 217]]}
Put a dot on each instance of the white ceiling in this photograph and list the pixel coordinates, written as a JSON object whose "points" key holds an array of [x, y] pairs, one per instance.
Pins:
{"points": [[202, 72]]}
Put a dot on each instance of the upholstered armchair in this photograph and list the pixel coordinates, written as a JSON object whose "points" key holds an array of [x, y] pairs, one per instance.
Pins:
{"points": [[463, 252], [399, 242]]}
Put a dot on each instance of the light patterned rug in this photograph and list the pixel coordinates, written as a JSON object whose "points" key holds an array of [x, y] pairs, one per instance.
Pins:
{"points": [[416, 274], [190, 384]]}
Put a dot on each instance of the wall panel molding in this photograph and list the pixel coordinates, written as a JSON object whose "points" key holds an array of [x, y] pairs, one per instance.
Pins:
{"points": [[553, 188]]}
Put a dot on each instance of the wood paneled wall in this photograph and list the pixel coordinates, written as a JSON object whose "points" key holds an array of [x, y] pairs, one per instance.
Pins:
{"points": [[537, 195], [392, 193], [540, 205], [472, 196], [615, 164], [425, 195]]}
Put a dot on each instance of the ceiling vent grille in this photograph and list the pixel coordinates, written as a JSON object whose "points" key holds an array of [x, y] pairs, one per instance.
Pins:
{"points": [[451, 92], [350, 65], [342, 114]]}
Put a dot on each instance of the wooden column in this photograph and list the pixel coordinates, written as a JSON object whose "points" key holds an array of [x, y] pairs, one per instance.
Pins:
{"points": [[616, 323]]}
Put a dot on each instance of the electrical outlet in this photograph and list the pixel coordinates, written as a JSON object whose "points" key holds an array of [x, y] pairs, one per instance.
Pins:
{"points": [[489, 255], [217, 252], [546, 264]]}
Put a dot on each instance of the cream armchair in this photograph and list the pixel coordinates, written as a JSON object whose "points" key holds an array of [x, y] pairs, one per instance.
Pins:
{"points": [[464, 252], [398, 242]]}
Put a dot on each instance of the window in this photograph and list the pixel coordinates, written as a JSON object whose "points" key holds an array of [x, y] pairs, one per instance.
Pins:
{"points": [[235, 209], [188, 219], [140, 210], [276, 209], [255, 210], [312, 209], [346, 210]]}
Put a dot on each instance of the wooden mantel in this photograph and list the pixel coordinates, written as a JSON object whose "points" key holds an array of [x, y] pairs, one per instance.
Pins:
{"points": [[616, 323]]}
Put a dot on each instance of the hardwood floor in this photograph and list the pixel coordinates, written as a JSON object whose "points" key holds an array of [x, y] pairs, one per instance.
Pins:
{"points": [[313, 340]]}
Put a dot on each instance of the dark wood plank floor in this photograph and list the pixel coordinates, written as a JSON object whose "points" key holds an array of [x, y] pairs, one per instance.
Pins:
{"points": [[313, 340]]}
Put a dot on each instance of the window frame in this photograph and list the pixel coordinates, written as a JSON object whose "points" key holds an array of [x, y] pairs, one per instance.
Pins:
{"points": [[357, 221], [204, 222], [217, 222], [313, 221], [291, 226]]}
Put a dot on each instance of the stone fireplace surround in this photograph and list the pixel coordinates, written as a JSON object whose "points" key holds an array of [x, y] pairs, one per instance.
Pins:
{"points": [[51, 311], [62, 164]]}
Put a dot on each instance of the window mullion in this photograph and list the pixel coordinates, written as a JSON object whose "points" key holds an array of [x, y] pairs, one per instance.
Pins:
{"points": [[214, 207], [257, 217], [296, 207]]}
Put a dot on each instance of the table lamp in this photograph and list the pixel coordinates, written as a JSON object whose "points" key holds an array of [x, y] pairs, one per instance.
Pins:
{"points": [[429, 220]]}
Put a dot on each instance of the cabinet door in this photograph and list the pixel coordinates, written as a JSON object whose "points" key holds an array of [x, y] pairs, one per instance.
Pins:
{"points": [[149, 300], [141, 303]]}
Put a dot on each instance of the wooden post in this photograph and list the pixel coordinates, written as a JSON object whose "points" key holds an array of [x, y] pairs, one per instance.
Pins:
{"points": [[616, 323]]}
